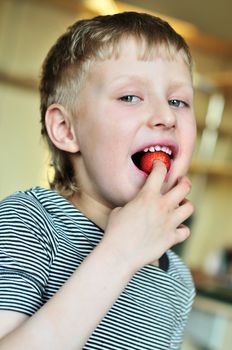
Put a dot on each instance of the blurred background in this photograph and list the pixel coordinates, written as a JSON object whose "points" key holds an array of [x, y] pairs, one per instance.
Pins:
{"points": [[28, 28]]}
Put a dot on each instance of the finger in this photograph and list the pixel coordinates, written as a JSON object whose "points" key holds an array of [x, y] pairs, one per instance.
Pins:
{"points": [[156, 178], [178, 193], [182, 233], [182, 213]]}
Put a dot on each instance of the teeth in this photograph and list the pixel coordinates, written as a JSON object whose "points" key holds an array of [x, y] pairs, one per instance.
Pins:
{"points": [[158, 148]]}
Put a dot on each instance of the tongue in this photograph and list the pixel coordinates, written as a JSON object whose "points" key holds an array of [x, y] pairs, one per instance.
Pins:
{"points": [[148, 158]]}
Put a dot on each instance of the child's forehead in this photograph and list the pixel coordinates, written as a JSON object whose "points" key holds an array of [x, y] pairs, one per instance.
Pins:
{"points": [[127, 68], [139, 47], [133, 50], [126, 53]]}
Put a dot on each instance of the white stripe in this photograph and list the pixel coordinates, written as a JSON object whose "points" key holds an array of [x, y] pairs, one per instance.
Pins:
{"points": [[43, 239]]}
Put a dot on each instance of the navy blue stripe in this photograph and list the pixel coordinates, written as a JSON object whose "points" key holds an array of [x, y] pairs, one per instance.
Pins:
{"points": [[43, 239]]}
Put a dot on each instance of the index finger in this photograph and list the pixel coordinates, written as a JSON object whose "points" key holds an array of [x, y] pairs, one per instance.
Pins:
{"points": [[157, 176]]}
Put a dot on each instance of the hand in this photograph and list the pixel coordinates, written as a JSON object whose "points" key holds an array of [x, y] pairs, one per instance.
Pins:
{"points": [[145, 228]]}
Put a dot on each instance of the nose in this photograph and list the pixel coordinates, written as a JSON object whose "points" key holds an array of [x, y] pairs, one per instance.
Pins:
{"points": [[162, 116]]}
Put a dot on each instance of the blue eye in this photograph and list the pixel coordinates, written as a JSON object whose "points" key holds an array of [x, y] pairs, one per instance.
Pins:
{"points": [[130, 98], [177, 103]]}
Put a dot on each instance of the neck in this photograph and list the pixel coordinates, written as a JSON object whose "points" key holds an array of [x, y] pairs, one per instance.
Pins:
{"points": [[91, 208]]}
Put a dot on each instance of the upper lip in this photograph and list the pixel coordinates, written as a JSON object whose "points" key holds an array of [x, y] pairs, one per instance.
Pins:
{"points": [[164, 143]]}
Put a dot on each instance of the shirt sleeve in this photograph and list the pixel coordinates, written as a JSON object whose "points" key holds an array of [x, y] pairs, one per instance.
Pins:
{"points": [[24, 255]]}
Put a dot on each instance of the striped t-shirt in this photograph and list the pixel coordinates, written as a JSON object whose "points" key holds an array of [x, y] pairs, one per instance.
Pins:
{"points": [[44, 238]]}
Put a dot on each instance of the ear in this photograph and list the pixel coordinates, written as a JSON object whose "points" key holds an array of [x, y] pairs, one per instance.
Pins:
{"points": [[60, 129]]}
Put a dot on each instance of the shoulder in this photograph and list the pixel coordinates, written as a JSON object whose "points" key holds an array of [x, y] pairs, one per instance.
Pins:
{"points": [[41, 216], [19, 207], [30, 205], [25, 221], [22, 201]]}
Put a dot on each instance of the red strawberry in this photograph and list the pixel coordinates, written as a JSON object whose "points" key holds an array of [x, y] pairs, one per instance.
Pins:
{"points": [[148, 158]]}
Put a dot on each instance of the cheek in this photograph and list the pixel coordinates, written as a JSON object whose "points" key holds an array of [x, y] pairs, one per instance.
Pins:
{"points": [[189, 134], [193, 136]]}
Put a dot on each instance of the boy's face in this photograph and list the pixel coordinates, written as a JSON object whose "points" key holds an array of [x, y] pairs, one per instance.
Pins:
{"points": [[127, 105]]}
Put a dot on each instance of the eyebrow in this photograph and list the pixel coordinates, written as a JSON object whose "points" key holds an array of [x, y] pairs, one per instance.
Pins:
{"points": [[181, 83], [127, 78], [134, 77], [186, 85]]}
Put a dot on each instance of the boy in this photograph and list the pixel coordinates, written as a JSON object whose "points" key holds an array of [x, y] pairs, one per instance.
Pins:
{"points": [[87, 263]]}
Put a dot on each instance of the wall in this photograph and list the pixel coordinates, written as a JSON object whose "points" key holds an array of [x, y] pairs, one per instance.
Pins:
{"points": [[27, 30]]}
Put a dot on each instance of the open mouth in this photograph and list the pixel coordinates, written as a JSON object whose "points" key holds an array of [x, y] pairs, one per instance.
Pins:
{"points": [[143, 160]]}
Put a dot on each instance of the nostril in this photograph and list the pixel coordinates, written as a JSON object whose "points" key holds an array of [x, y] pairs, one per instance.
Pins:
{"points": [[159, 125], [167, 125], [165, 119]]}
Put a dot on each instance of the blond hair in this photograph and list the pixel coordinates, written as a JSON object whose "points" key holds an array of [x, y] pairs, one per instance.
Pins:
{"points": [[65, 66]]}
